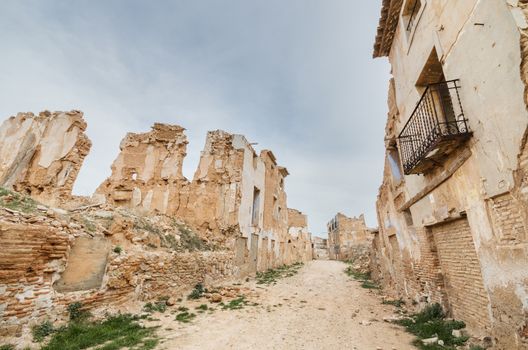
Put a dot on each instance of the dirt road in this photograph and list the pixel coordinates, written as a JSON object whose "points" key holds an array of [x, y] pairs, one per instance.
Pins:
{"points": [[315, 309]]}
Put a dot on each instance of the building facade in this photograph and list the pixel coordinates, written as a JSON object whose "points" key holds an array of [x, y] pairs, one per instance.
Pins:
{"points": [[453, 205], [346, 236]]}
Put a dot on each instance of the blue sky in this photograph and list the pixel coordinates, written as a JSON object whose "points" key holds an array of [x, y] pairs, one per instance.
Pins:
{"points": [[294, 76]]}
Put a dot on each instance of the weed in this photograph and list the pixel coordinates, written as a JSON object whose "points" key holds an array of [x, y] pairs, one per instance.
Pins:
{"points": [[77, 313], [363, 277], [272, 275], [476, 347], [397, 303], [142, 224], [357, 275], [118, 249], [236, 304], [183, 309], [7, 347], [16, 201], [41, 331], [159, 306], [197, 292], [370, 285], [190, 241], [116, 332], [203, 307], [185, 317], [430, 322]]}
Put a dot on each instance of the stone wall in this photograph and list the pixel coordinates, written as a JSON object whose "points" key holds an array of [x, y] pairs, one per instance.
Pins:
{"points": [[51, 260], [41, 155]]}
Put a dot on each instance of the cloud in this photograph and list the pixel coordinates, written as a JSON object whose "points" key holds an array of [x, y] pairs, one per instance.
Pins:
{"points": [[295, 76]]}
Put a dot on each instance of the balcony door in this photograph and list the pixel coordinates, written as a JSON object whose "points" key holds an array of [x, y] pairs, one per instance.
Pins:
{"points": [[433, 81]]}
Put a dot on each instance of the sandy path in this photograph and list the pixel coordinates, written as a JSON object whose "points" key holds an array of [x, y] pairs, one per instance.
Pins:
{"points": [[317, 312]]}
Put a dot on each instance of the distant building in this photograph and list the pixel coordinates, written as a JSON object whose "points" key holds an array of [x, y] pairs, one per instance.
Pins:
{"points": [[345, 235]]}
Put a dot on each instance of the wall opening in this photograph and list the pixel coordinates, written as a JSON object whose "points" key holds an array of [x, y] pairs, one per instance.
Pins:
{"points": [[433, 78], [256, 207], [410, 14], [393, 156]]}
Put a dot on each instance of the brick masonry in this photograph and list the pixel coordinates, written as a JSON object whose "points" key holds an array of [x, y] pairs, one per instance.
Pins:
{"points": [[464, 286]]}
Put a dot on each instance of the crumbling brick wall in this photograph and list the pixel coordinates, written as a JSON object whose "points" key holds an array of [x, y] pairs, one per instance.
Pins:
{"points": [[37, 253], [41, 155]]}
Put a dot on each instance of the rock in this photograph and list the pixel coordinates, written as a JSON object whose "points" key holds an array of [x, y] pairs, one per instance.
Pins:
{"points": [[103, 214], [42, 207], [216, 298], [60, 211], [392, 319], [441, 342], [430, 341], [456, 333], [365, 323], [171, 301]]}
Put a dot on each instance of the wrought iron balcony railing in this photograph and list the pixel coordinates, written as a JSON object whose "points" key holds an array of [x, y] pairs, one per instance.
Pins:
{"points": [[436, 127]]}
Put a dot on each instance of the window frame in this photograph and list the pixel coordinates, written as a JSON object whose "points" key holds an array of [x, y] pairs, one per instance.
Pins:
{"points": [[409, 34]]}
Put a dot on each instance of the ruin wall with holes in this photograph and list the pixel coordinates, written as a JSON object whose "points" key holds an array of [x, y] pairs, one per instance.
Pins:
{"points": [[147, 233]]}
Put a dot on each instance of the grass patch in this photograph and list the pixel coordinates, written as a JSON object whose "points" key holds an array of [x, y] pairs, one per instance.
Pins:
{"points": [[190, 241], [41, 331], [158, 306], [7, 347], [185, 317], [16, 201], [272, 275], [116, 332], [363, 277], [357, 275], [202, 307], [370, 285], [236, 304], [145, 225], [430, 322], [77, 313], [197, 292], [118, 249]]}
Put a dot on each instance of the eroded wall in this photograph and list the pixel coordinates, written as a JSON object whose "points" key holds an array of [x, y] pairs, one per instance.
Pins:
{"points": [[41, 155], [147, 174]]}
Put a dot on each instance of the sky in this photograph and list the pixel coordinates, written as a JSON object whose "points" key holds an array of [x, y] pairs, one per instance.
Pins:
{"points": [[293, 76]]}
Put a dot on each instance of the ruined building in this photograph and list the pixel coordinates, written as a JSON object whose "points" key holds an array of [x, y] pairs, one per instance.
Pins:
{"points": [[320, 248], [452, 208], [348, 238], [146, 233], [41, 155]]}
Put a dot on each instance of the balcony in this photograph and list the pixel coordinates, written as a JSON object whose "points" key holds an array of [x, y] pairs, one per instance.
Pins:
{"points": [[436, 128]]}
